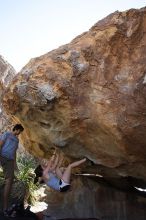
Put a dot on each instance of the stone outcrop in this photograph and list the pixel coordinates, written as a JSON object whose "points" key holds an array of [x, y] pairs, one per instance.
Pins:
{"points": [[89, 200], [7, 73], [88, 97]]}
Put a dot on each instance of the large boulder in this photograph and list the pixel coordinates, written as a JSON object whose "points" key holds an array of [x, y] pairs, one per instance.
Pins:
{"points": [[88, 97], [7, 73], [87, 199]]}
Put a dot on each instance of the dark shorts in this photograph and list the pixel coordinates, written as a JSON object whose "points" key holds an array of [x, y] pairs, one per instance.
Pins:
{"points": [[64, 188], [7, 166]]}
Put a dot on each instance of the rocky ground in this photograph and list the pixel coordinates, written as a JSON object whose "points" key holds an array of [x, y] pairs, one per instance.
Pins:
{"points": [[40, 205]]}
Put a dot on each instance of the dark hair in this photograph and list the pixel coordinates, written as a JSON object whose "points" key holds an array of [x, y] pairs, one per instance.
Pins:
{"points": [[18, 127], [38, 172]]}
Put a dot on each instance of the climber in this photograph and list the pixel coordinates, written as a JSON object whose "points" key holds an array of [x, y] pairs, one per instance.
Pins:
{"points": [[52, 174]]}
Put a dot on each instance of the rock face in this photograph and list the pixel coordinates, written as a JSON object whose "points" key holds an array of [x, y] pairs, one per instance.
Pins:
{"points": [[87, 200], [7, 73], [88, 97]]}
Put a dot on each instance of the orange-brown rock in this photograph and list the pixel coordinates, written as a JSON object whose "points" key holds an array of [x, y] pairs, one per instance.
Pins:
{"points": [[88, 97], [88, 199]]}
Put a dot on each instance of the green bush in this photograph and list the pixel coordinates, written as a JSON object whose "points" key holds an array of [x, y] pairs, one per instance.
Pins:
{"points": [[26, 165]]}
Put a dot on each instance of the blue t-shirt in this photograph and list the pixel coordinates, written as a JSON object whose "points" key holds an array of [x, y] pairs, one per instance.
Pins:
{"points": [[53, 182], [10, 145]]}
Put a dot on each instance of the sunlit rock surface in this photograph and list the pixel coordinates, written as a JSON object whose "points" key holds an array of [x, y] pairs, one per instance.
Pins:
{"points": [[88, 97], [7, 73]]}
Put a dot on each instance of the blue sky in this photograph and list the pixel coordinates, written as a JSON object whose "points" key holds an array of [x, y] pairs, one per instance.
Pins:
{"points": [[30, 28]]}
